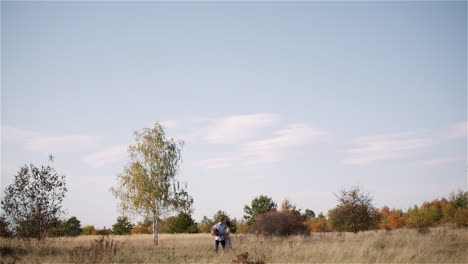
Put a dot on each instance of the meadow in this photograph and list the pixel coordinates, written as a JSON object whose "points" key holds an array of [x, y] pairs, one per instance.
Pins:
{"points": [[440, 245]]}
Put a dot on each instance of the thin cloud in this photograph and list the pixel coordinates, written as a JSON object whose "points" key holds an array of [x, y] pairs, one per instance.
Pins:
{"points": [[36, 142], [384, 147], [371, 149], [442, 161], [279, 147], [106, 157], [455, 131], [237, 128]]}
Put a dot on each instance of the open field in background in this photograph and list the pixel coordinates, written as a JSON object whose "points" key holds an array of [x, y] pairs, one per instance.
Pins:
{"points": [[440, 245]]}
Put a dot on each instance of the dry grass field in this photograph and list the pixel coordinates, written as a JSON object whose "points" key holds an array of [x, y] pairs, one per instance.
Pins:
{"points": [[441, 245]]}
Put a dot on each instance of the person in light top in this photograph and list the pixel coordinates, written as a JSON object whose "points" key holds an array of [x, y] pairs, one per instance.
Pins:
{"points": [[220, 234]]}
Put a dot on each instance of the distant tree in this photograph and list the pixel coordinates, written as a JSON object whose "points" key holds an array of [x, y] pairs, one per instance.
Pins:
{"points": [[88, 230], [33, 202], [183, 223], [459, 199], [258, 206], [122, 227], [148, 185], [391, 219], [205, 225], [321, 215], [355, 212], [71, 227], [308, 214]]}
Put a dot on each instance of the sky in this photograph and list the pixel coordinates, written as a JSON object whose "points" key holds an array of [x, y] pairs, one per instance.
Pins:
{"points": [[294, 100]]}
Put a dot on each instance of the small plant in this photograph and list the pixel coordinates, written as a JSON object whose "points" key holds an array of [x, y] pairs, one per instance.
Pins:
{"points": [[243, 258]]}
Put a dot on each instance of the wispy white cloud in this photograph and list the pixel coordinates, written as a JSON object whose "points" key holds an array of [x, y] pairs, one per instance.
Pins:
{"points": [[384, 147], [237, 128], [457, 130], [277, 147], [442, 161], [34, 141], [371, 149], [106, 157]]}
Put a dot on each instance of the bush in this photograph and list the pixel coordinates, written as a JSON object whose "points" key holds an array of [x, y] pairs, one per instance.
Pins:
{"points": [[88, 230], [461, 217], [280, 224], [141, 229], [423, 218], [318, 225]]}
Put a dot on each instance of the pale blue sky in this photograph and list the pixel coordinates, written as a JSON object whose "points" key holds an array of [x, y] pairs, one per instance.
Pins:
{"points": [[292, 100]]}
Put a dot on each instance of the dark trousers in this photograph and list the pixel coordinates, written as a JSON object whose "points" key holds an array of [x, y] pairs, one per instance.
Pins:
{"points": [[223, 243]]}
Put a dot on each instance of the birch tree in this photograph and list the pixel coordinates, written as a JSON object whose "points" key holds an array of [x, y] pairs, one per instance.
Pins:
{"points": [[148, 185]]}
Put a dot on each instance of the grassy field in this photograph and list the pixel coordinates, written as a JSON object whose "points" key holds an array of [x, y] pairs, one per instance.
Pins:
{"points": [[441, 245]]}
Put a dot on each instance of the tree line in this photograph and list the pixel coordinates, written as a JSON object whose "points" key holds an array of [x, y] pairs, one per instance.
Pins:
{"points": [[148, 187]]}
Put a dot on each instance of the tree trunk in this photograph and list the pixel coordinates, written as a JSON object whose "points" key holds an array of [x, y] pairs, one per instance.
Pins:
{"points": [[155, 230]]}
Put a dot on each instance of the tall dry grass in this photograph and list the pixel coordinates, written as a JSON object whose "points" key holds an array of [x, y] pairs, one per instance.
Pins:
{"points": [[440, 245]]}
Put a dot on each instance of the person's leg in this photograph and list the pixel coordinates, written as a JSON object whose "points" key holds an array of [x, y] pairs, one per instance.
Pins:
{"points": [[216, 245], [223, 243]]}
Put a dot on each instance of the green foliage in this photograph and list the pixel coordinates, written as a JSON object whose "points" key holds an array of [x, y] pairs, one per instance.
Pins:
{"points": [[459, 199], [308, 214], [258, 206], [71, 227], [88, 230], [33, 202], [122, 227], [423, 218], [148, 185], [355, 212], [183, 223]]}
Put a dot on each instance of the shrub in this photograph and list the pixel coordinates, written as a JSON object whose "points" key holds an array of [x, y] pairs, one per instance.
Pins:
{"points": [[140, 229], [318, 225], [280, 224], [424, 217], [461, 217], [88, 230], [102, 232]]}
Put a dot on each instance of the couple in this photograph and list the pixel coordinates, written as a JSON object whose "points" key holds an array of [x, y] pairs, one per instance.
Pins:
{"points": [[221, 232]]}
